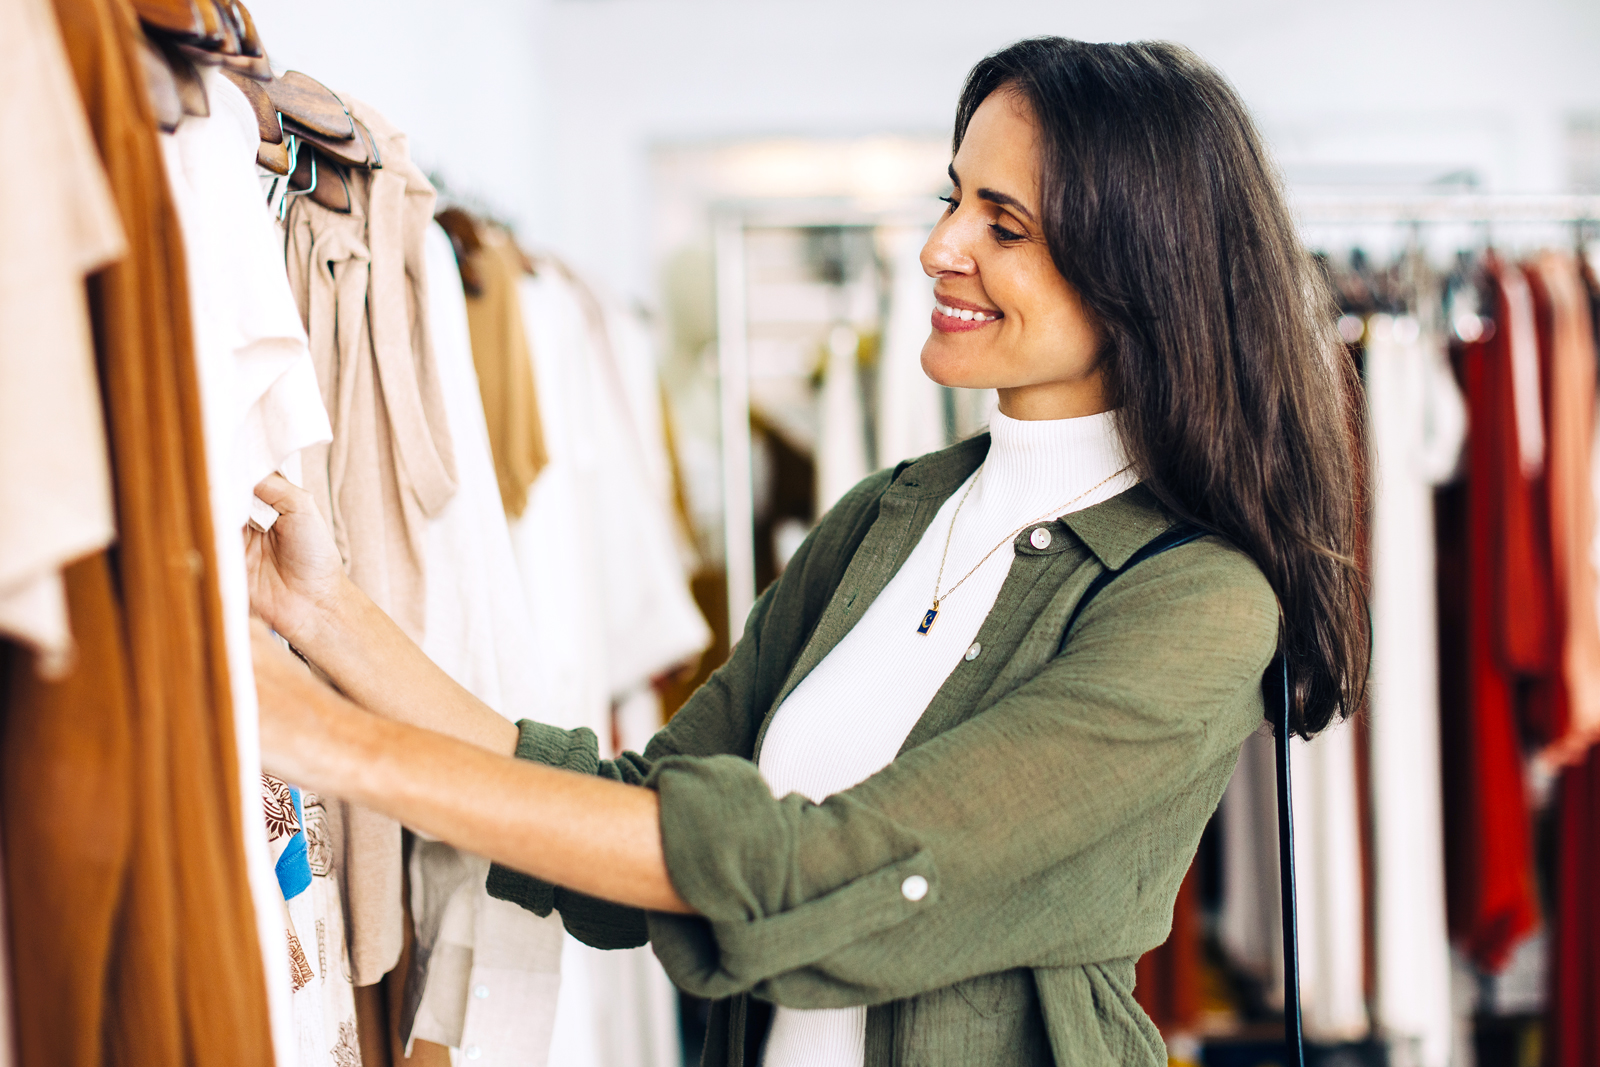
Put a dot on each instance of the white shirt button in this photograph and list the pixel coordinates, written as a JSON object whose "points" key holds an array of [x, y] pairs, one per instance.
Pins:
{"points": [[914, 888], [972, 652], [473, 1052], [482, 992], [1040, 538]]}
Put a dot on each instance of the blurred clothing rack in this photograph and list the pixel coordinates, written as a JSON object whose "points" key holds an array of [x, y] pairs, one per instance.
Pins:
{"points": [[731, 221], [1320, 209]]}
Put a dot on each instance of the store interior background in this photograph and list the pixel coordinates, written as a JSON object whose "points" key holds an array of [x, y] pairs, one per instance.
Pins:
{"points": [[603, 130], [606, 131]]}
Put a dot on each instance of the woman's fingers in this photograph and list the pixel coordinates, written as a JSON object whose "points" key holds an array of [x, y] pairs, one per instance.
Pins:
{"points": [[282, 495], [294, 568]]}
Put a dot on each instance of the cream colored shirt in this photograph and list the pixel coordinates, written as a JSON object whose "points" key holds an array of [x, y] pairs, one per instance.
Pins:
{"points": [[57, 225]]}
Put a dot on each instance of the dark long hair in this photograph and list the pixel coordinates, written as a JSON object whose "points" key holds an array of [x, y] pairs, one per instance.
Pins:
{"points": [[1234, 399]]}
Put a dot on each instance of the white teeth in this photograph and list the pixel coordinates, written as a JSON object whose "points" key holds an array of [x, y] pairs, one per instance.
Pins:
{"points": [[964, 314]]}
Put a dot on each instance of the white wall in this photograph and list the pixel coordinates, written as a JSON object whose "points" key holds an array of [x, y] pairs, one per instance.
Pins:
{"points": [[548, 108]]}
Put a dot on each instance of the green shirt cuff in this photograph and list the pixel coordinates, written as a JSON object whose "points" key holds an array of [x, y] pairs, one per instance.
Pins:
{"points": [[572, 750], [780, 884]]}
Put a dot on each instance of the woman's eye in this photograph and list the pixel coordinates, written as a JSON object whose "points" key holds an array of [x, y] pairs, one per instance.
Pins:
{"points": [[952, 201], [1003, 234]]}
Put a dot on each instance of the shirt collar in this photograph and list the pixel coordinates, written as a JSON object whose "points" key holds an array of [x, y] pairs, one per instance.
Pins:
{"points": [[1113, 529]]}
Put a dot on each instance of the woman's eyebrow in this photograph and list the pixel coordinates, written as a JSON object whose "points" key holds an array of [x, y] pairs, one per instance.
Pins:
{"points": [[1003, 199]]}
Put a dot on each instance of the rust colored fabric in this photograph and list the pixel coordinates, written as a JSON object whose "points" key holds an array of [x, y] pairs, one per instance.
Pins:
{"points": [[182, 980], [505, 368], [1168, 979], [66, 794], [1566, 337], [1503, 570]]}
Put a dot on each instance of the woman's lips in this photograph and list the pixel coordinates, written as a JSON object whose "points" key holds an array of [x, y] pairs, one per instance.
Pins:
{"points": [[950, 319]]}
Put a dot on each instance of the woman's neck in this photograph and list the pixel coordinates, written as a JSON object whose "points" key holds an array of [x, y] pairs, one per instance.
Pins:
{"points": [[1036, 465]]}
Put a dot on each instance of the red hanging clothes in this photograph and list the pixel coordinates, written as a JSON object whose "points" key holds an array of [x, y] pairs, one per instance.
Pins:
{"points": [[1508, 641], [1565, 716], [1572, 1026], [1168, 980], [1573, 1013]]}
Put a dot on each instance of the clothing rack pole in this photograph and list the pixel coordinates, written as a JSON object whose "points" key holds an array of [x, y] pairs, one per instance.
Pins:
{"points": [[733, 392]]}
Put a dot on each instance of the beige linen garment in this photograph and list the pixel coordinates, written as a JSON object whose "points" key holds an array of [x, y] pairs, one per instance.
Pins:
{"points": [[57, 224], [360, 280]]}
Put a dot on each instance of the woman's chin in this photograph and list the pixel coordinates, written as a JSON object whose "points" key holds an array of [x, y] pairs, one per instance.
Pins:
{"points": [[947, 365]]}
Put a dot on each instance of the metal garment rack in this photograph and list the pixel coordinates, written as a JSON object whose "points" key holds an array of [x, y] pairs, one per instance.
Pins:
{"points": [[732, 220]]}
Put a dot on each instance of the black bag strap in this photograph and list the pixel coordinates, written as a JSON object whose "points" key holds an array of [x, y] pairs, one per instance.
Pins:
{"points": [[1275, 688], [1170, 538], [1275, 691]]}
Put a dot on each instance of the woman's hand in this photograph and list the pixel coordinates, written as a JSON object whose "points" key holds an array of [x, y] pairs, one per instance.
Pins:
{"points": [[296, 575]]}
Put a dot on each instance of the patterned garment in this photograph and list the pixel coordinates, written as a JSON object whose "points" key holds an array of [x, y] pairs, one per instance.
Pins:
{"points": [[277, 799], [286, 838]]}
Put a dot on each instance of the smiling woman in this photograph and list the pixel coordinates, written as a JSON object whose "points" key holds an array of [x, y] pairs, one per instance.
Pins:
{"points": [[1005, 318], [873, 840]]}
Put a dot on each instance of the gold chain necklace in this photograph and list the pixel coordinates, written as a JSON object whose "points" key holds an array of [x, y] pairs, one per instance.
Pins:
{"points": [[933, 612]]}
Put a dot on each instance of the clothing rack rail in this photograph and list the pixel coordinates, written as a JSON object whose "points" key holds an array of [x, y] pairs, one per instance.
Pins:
{"points": [[1319, 208]]}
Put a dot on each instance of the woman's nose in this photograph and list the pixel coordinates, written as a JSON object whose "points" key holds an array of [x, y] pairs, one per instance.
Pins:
{"points": [[945, 252]]}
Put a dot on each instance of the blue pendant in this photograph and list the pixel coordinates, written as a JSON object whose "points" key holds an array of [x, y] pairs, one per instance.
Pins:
{"points": [[927, 620]]}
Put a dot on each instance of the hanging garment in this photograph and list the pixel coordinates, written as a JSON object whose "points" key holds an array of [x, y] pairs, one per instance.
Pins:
{"points": [[1569, 371], [505, 369], [1417, 421], [261, 407], [606, 583], [636, 375], [1494, 608], [484, 973], [911, 416], [555, 540], [1250, 928], [57, 225], [56, 507], [360, 283], [1328, 886], [1167, 979], [1572, 1029], [7, 1045], [182, 980], [653, 624]]}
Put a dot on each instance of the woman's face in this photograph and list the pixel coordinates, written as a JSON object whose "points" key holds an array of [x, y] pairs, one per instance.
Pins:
{"points": [[1027, 335]]}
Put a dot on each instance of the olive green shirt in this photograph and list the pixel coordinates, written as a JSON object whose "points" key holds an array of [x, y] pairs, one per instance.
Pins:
{"points": [[1051, 796]]}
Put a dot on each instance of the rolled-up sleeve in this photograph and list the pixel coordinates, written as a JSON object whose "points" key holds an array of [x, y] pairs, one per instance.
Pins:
{"points": [[722, 716], [1050, 829]]}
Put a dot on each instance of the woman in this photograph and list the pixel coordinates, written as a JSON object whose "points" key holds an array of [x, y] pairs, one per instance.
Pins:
{"points": [[928, 813]]}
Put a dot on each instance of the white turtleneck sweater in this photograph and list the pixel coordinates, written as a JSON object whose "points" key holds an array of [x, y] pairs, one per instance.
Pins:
{"points": [[877, 682]]}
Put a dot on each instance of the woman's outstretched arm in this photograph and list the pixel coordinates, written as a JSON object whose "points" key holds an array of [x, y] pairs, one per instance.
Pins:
{"points": [[298, 585], [596, 836]]}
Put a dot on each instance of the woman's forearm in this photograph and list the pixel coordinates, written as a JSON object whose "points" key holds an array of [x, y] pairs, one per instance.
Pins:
{"points": [[596, 836], [372, 661]]}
